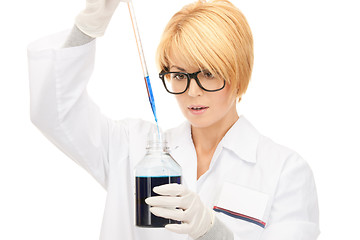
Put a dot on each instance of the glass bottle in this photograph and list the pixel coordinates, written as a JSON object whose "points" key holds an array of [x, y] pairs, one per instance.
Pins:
{"points": [[157, 168]]}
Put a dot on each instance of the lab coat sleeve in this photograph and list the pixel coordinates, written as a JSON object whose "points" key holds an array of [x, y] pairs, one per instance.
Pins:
{"points": [[60, 106], [294, 213]]}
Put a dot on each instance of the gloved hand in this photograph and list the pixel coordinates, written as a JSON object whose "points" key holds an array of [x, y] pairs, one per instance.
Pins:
{"points": [[94, 19], [196, 218]]}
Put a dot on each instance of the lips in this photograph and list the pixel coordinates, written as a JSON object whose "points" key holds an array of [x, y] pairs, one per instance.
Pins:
{"points": [[197, 109]]}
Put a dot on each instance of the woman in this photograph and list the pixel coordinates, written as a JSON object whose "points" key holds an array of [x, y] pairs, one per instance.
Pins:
{"points": [[238, 184]]}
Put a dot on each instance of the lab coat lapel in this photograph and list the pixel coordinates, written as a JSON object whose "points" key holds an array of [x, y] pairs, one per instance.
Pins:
{"points": [[183, 151]]}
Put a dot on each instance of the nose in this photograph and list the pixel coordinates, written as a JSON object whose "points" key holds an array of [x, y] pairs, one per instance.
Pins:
{"points": [[194, 89]]}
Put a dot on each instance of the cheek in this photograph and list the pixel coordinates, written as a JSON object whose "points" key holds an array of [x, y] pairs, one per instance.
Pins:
{"points": [[180, 100], [224, 97]]}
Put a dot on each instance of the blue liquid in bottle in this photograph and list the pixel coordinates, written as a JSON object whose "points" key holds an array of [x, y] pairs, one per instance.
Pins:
{"points": [[144, 186], [155, 169]]}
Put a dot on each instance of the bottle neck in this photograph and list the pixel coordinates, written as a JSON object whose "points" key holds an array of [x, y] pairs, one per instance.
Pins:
{"points": [[157, 147]]}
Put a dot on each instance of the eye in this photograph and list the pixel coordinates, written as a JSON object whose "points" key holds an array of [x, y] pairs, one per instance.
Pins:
{"points": [[178, 76], [207, 74]]}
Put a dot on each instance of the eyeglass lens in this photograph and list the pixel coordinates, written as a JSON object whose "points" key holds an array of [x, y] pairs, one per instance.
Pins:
{"points": [[177, 82]]}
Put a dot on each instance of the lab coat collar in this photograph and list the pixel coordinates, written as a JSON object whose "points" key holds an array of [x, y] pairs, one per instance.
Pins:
{"points": [[242, 139]]}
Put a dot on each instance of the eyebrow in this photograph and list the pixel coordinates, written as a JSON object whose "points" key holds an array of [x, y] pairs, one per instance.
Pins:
{"points": [[181, 69]]}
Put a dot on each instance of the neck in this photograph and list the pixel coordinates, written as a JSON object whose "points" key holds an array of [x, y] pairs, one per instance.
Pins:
{"points": [[206, 141], [207, 138]]}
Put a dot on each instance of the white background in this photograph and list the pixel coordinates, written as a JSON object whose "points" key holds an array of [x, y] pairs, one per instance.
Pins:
{"points": [[304, 94]]}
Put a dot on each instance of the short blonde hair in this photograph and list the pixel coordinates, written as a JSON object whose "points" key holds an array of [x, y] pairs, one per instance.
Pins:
{"points": [[214, 35]]}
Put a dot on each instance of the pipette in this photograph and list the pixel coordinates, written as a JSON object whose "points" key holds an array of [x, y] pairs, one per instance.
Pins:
{"points": [[143, 62]]}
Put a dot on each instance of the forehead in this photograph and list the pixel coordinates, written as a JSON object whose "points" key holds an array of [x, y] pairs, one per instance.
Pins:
{"points": [[183, 60]]}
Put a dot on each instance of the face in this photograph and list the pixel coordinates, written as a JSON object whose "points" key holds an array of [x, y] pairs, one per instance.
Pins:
{"points": [[201, 108]]}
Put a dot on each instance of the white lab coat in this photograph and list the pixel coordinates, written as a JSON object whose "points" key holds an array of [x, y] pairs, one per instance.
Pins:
{"points": [[254, 179]]}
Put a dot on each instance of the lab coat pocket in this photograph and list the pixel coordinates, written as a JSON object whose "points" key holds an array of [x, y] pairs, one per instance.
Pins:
{"points": [[242, 204]]}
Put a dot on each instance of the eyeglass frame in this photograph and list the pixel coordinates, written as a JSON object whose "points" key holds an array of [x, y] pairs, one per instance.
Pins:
{"points": [[189, 77]]}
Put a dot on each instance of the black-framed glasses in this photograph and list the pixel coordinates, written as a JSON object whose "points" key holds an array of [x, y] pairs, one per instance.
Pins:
{"points": [[179, 82]]}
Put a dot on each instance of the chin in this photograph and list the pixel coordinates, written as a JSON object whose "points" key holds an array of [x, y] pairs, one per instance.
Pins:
{"points": [[200, 123]]}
